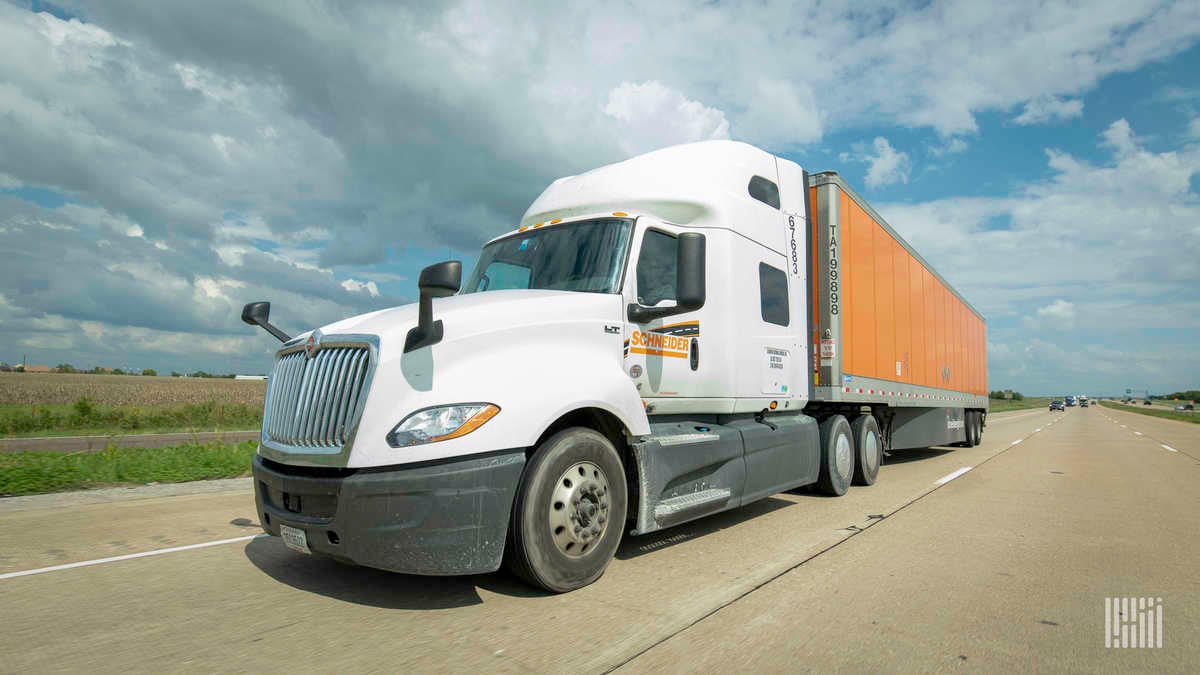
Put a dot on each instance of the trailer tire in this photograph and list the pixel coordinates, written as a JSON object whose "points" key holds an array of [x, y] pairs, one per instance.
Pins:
{"points": [[868, 449], [978, 427], [837, 456], [969, 425], [569, 511]]}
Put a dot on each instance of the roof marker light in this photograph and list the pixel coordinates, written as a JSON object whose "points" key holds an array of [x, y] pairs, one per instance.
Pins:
{"points": [[620, 214], [556, 221]]}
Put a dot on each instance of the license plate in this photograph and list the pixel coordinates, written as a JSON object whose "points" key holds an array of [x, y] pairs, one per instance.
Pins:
{"points": [[294, 538]]}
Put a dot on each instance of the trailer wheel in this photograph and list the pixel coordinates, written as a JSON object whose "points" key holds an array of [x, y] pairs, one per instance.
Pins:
{"points": [[868, 449], [978, 427], [837, 456], [569, 512]]}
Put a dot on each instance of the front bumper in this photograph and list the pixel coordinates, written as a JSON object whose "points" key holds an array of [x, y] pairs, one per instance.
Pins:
{"points": [[440, 519]]}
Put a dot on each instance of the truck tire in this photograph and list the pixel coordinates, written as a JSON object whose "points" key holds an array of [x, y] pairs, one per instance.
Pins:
{"points": [[569, 511], [868, 449], [972, 428], [978, 427], [837, 456]]}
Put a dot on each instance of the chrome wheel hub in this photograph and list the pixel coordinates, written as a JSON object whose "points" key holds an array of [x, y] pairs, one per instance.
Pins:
{"points": [[871, 452], [841, 456], [579, 509]]}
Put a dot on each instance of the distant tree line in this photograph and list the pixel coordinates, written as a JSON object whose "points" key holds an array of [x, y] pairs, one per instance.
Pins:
{"points": [[1016, 395], [1189, 395], [147, 372]]}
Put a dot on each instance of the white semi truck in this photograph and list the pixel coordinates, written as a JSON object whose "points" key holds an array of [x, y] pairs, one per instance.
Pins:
{"points": [[659, 340]]}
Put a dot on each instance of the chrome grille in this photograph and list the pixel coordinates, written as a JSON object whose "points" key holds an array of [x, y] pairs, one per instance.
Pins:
{"points": [[315, 402]]}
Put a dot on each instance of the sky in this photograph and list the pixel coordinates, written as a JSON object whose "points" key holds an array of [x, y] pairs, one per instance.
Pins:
{"points": [[161, 164]]}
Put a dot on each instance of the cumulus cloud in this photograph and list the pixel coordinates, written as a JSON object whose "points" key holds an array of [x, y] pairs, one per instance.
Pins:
{"points": [[887, 165], [655, 116], [952, 146], [1049, 109], [1057, 315], [1119, 137]]}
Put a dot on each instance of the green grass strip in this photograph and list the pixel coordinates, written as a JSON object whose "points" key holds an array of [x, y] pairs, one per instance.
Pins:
{"points": [[27, 473], [1152, 412], [86, 418], [1000, 405]]}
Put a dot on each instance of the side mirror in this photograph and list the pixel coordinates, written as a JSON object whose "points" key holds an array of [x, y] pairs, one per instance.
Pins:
{"points": [[690, 280], [436, 281], [257, 314], [440, 279]]}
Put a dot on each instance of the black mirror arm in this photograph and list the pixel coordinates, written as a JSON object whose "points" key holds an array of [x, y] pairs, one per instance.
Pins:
{"points": [[279, 335]]}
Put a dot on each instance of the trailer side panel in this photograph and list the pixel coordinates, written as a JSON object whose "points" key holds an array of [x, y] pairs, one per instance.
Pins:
{"points": [[887, 327]]}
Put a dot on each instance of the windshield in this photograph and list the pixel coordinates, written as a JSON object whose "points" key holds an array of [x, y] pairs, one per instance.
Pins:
{"points": [[585, 256]]}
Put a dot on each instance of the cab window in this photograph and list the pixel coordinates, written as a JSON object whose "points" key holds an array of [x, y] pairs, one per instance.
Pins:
{"points": [[773, 295], [656, 268]]}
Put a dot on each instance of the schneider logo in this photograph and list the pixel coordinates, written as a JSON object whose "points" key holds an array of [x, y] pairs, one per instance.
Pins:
{"points": [[1133, 622]]}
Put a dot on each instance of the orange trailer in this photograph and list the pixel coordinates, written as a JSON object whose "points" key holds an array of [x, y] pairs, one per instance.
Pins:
{"points": [[887, 328]]}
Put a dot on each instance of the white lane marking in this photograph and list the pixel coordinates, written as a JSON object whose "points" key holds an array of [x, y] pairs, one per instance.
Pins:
{"points": [[1016, 441], [951, 476], [1138, 433], [1037, 430], [1168, 447], [130, 556], [1124, 427]]}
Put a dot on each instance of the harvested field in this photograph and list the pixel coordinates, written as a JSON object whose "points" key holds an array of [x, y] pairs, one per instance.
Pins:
{"points": [[126, 390]]}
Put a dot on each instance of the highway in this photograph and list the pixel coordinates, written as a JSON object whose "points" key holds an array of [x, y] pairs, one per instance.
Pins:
{"points": [[992, 558]]}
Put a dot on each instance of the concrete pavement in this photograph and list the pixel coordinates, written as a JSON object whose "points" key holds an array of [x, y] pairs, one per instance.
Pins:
{"points": [[1004, 566]]}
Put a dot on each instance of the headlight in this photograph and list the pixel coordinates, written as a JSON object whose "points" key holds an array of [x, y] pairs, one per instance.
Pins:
{"points": [[440, 424]]}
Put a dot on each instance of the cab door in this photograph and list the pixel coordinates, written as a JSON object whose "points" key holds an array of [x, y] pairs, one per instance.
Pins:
{"points": [[665, 357]]}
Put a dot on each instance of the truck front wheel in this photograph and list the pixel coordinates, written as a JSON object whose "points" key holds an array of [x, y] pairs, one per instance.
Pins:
{"points": [[837, 456], [569, 511]]}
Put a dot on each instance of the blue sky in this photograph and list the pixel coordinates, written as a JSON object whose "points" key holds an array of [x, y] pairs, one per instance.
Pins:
{"points": [[162, 164]]}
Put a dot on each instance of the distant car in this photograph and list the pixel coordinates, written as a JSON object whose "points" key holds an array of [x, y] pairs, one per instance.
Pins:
{"points": [[1057, 405], [1083, 404], [1145, 402], [1189, 406]]}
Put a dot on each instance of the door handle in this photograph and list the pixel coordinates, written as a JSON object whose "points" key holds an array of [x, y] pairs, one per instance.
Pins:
{"points": [[695, 354]]}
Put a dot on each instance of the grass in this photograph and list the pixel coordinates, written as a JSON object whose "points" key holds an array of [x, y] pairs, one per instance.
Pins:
{"points": [[84, 417], [26, 473], [1027, 403], [1154, 412]]}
